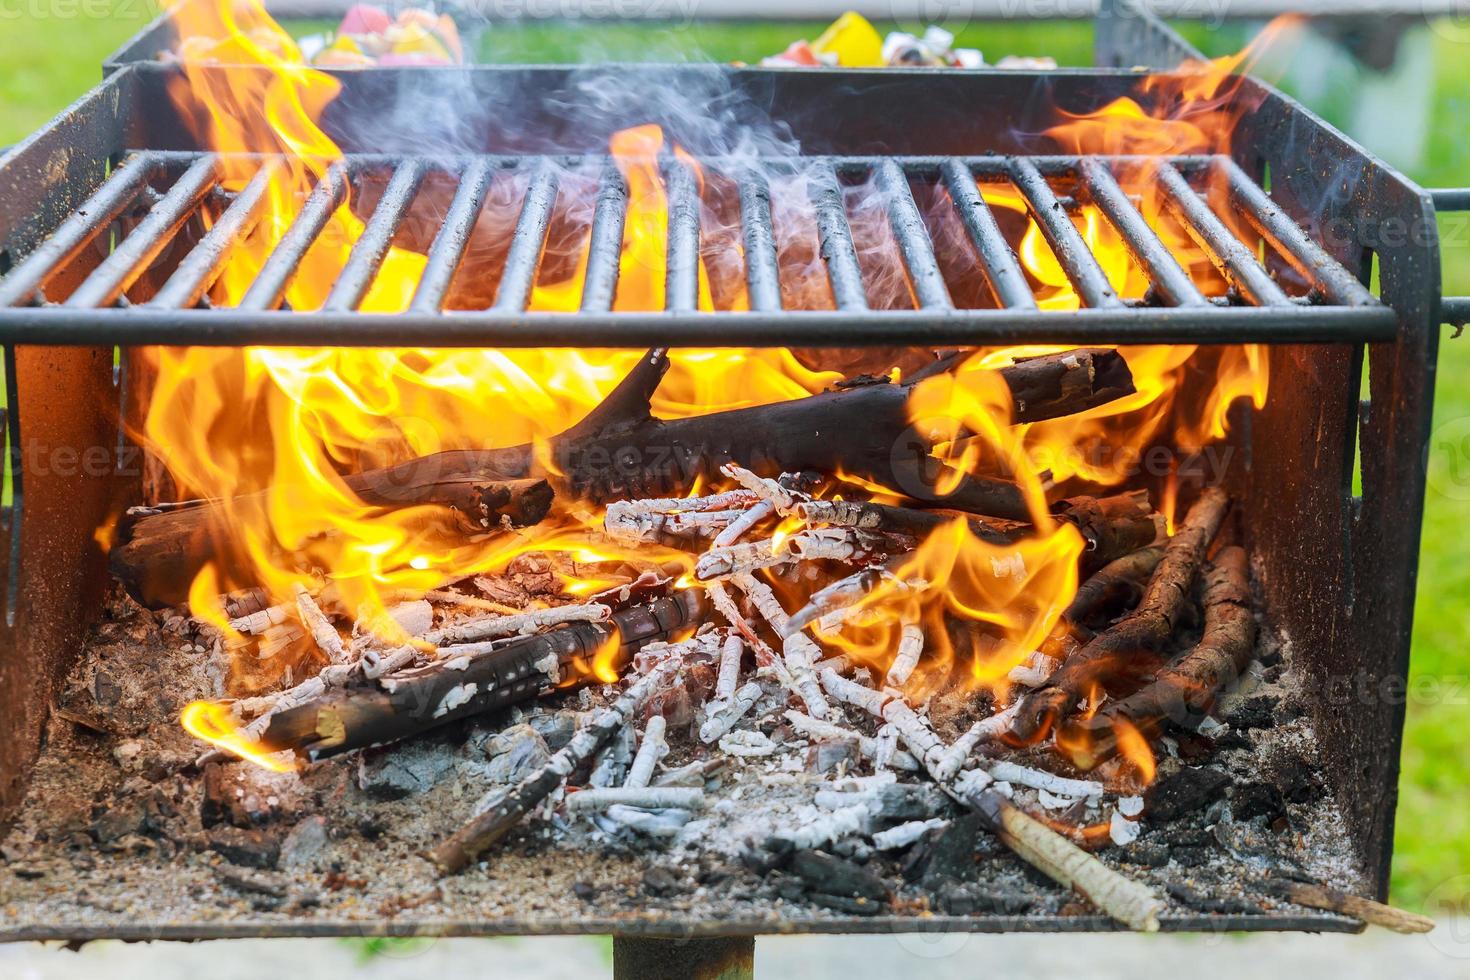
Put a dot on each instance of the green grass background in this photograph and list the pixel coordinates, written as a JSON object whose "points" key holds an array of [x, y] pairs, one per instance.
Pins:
{"points": [[50, 53]]}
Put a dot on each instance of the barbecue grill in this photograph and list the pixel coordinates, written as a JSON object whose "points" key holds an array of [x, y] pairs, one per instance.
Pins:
{"points": [[101, 253]]}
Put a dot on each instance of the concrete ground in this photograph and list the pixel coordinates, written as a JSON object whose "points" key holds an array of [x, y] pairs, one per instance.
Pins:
{"points": [[1373, 956]]}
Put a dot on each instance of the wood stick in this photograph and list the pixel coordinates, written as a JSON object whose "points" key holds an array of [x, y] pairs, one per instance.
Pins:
{"points": [[492, 825], [651, 748], [493, 627], [1067, 864], [865, 430], [1145, 629], [1185, 691], [1366, 909], [409, 703], [650, 797], [1130, 902]]}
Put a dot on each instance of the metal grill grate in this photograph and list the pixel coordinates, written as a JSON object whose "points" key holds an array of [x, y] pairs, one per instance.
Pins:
{"points": [[1337, 308]]}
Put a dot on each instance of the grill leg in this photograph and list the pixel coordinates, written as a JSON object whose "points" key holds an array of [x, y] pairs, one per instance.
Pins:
{"points": [[722, 958]]}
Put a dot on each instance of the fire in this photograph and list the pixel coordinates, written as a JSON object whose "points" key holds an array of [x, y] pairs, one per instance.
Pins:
{"points": [[270, 433], [210, 722]]}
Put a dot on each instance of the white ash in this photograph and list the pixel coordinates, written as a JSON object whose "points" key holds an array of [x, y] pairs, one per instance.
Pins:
{"points": [[895, 838], [647, 797], [1034, 671], [323, 633], [910, 648], [1010, 772], [651, 748], [799, 650], [1122, 830], [724, 716], [658, 823], [784, 499], [746, 744], [731, 653], [737, 528], [1130, 806], [613, 761], [883, 753], [491, 627], [456, 696]]}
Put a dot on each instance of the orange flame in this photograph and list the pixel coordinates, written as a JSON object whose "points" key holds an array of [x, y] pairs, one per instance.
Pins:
{"points": [[211, 722], [269, 432]]}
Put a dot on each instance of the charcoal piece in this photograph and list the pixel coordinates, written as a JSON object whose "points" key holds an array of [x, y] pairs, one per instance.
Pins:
{"points": [[1296, 778], [829, 875], [850, 906], [254, 882], [1189, 789], [586, 891], [1253, 800], [370, 828], [661, 882], [1232, 738], [250, 848], [230, 797], [556, 728], [1253, 713], [786, 886], [956, 851], [119, 820], [957, 898], [398, 771], [1212, 902], [1189, 857], [304, 842], [1148, 854]]}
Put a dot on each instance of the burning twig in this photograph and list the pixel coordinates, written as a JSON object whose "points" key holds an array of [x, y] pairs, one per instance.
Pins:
{"points": [[1044, 849], [1185, 691], [492, 627], [910, 648], [492, 824], [411, 702], [323, 633], [1147, 628], [800, 651], [852, 430]]}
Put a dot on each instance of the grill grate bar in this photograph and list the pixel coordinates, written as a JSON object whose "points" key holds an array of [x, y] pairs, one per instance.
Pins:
{"points": [[605, 244], [1236, 262], [681, 277], [198, 270], [1066, 241], [121, 188], [372, 246], [835, 235], [1339, 285], [447, 250], [913, 238], [1164, 271], [285, 260], [150, 236], [528, 241], [998, 261], [762, 273]]}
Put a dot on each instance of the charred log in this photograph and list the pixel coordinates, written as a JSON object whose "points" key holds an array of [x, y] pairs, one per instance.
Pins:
{"points": [[1144, 630], [459, 685], [621, 450], [160, 550], [1184, 692]]}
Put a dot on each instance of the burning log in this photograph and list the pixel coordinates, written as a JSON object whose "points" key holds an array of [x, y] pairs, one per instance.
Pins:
{"points": [[404, 704], [161, 549], [1145, 629], [1185, 691], [865, 430], [492, 825]]}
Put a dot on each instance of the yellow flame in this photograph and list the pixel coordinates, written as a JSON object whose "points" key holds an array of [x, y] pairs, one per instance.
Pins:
{"points": [[213, 723]]}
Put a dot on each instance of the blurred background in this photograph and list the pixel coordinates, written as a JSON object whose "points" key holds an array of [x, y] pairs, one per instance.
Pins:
{"points": [[1400, 85]]}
